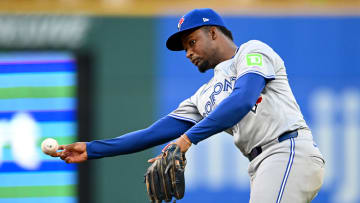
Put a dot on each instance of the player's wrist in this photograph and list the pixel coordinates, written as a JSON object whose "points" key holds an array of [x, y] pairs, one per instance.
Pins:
{"points": [[186, 139], [83, 149], [183, 142]]}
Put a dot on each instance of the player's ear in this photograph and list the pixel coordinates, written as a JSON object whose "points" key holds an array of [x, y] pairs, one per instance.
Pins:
{"points": [[213, 32]]}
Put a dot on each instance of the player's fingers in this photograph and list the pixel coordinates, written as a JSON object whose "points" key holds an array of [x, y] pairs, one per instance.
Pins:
{"points": [[68, 160], [154, 159], [55, 154], [61, 147], [64, 154], [77, 159]]}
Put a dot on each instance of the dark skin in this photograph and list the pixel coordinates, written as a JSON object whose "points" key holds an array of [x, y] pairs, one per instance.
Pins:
{"points": [[205, 48]]}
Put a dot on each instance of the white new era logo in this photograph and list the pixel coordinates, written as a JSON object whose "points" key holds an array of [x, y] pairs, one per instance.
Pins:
{"points": [[205, 19]]}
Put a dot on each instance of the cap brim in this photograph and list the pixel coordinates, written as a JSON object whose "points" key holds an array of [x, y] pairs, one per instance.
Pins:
{"points": [[174, 42]]}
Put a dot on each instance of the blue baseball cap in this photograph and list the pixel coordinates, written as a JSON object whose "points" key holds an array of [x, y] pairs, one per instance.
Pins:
{"points": [[192, 20]]}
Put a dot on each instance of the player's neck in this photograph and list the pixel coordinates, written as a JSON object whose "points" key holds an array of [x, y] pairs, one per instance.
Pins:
{"points": [[228, 50]]}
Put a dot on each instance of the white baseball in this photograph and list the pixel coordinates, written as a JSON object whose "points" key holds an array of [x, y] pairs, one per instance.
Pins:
{"points": [[49, 146]]}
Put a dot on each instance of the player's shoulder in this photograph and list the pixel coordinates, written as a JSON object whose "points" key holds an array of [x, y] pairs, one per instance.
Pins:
{"points": [[254, 42], [255, 46]]}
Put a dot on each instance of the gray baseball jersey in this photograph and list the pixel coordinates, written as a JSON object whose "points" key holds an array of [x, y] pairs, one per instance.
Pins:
{"points": [[278, 174], [274, 113]]}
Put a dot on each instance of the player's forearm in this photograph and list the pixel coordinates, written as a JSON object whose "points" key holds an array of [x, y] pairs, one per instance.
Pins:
{"points": [[160, 132], [231, 110]]}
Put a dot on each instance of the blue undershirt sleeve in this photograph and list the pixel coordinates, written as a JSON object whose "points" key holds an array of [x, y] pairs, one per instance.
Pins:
{"points": [[162, 131], [231, 110]]}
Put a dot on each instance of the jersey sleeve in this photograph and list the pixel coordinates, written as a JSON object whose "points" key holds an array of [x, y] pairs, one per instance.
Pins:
{"points": [[255, 58], [187, 111]]}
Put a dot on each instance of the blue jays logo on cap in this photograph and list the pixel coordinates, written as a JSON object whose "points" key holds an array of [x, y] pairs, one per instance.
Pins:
{"points": [[180, 22], [192, 20]]}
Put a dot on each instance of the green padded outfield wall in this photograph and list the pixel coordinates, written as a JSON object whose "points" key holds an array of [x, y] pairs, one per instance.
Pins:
{"points": [[127, 52], [122, 95], [123, 100]]}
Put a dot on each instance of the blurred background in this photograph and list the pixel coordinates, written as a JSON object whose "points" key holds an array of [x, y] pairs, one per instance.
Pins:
{"points": [[79, 70]]}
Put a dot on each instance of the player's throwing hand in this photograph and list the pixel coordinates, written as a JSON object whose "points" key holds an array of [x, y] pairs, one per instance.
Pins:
{"points": [[72, 153]]}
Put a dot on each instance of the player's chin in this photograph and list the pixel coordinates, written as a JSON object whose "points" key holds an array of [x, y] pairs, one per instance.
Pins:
{"points": [[203, 67], [202, 70]]}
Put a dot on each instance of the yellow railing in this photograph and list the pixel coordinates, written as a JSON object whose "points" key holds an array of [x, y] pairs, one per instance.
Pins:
{"points": [[178, 7]]}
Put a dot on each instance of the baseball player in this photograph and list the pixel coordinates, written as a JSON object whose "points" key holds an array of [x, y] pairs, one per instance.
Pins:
{"points": [[249, 97]]}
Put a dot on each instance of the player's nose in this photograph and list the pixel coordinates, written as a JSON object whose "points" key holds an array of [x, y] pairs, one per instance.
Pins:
{"points": [[189, 54]]}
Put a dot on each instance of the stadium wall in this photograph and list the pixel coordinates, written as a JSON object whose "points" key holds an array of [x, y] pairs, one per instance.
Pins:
{"points": [[136, 81]]}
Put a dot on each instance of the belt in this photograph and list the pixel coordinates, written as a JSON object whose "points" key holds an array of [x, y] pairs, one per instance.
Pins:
{"points": [[257, 150]]}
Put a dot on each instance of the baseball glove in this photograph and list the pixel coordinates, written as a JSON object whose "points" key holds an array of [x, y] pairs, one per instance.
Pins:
{"points": [[165, 177]]}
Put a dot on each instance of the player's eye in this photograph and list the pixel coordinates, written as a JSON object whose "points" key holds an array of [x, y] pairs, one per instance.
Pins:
{"points": [[192, 42]]}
